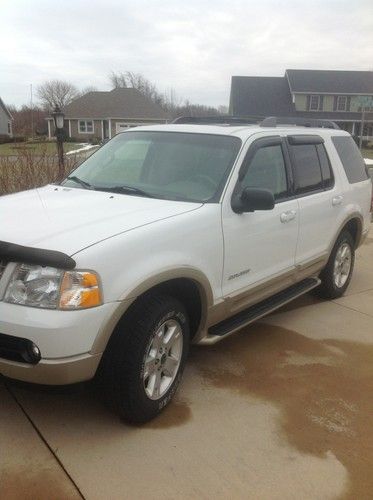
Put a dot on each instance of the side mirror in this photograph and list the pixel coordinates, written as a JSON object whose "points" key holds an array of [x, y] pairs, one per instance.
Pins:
{"points": [[252, 199]]}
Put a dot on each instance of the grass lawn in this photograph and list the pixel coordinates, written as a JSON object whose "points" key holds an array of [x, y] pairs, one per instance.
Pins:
{"points": [[367, 153], [13, 148]]}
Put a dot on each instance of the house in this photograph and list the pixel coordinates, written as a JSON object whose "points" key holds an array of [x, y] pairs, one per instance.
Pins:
{"points": [[5, 121], [101, 115], [332, 95]]}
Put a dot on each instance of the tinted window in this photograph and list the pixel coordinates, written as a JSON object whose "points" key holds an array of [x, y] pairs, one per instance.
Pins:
{"points": [[351, 159], [267, 170], [307, 168], [326, 169]]}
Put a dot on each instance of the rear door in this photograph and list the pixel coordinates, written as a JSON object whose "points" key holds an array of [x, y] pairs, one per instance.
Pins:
{"points": [[319, 198]]}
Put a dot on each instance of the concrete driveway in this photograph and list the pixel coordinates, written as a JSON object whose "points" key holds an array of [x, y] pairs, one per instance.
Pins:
{"points": [[282, 410]]}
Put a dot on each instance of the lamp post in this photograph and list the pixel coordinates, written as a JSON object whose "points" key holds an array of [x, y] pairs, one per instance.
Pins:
{"points": [[58, 118], [366, 105]]}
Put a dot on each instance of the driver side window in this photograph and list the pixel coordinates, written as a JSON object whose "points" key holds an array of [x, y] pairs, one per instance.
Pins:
{"points": [[267, 171]]}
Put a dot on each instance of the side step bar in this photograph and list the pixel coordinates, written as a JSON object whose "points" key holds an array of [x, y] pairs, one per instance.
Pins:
{"points": [[257, 311]]}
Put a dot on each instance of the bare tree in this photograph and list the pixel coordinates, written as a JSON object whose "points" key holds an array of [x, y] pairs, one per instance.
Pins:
{"points": [[118, 80], [56, 93], [189, 109], [172, 103], [139, 82], [22, 120], [84, 91]]}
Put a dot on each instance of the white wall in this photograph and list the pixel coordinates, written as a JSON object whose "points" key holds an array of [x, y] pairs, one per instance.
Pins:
{"points": [[4, 120]]}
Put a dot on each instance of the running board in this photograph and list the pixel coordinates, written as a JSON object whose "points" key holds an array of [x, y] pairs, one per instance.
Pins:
{"points": [[257, 311]]}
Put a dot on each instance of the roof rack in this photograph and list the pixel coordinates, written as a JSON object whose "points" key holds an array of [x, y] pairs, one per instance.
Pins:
{"points": [[270, 121], [219, 120], [274, 121]]}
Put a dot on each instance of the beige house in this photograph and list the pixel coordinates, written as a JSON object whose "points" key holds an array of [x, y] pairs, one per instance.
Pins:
{"points": [[334, 95], [101, 115]]}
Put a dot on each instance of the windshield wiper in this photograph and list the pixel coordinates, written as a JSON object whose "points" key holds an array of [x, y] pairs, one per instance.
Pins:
{"points": [[76, 179], [125, 190]]}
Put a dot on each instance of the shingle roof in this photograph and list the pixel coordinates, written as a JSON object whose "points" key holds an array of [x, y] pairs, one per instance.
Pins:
{"points": [[270, 96], [260, 95], [125, 103], [326, 81]]}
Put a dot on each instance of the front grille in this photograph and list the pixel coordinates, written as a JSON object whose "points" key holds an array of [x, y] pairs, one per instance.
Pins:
{"points": [[18, 349]]}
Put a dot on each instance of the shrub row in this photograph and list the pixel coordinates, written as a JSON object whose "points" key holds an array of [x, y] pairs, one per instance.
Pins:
{"points": [[27, 171]]}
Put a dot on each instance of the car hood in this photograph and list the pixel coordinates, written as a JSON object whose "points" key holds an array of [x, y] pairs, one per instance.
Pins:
{"points": [[70, 219]]}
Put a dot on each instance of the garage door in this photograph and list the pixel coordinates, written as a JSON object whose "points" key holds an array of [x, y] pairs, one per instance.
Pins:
{"points": [[121, 127]]}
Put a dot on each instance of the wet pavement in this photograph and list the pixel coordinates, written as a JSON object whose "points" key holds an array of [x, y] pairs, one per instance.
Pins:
{"points": [[281, 410]]}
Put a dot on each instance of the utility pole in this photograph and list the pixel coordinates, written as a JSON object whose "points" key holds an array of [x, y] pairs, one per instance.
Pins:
{"points": [[366, 104], [362, 127], [32, 115]]}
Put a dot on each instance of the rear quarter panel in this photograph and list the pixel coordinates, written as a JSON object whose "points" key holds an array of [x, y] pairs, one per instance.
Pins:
{"points": [[356, 197]]}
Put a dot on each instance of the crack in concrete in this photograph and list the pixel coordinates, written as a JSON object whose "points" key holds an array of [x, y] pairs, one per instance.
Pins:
{"points": [[43, 439], [352, 309]]}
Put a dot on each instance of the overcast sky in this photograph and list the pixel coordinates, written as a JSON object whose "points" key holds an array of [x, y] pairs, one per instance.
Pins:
{"points": [[193, 47]]}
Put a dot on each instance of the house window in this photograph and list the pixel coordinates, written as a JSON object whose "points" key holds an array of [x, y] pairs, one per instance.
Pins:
{"points": [[341, 103], [85, 127], [314, 103], [9, 128]]}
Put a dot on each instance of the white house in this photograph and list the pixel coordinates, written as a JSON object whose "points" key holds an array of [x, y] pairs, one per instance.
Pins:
{"points": [[5, 121]]}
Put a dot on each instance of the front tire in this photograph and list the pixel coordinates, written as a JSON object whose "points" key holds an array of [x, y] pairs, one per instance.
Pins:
{"points": [[337, 274], [145, 358]]}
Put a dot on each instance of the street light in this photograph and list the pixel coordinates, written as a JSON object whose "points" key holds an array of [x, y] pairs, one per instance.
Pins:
{"points": [[58, 118]]}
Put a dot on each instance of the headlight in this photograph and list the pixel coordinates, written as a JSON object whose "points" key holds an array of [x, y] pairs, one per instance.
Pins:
{"points": [[51, 288]]}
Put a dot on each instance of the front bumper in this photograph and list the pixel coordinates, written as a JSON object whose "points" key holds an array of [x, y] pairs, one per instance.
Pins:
{"points": [[58, 334], [65, 339], [53, 371]]}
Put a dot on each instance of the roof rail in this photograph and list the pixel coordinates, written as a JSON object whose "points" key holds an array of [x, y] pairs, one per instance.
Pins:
{"points": [[274, 121], [270, 121], [219, 120]]}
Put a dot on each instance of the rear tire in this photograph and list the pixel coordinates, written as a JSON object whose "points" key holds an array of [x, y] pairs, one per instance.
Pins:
{"points": [[337, 274], [144, 361]]}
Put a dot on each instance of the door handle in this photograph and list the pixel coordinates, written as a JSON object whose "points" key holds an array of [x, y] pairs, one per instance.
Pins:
{"points": [[337, 200], [288, 216]]}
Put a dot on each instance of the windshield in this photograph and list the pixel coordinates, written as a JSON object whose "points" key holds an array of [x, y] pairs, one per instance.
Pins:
{"points": [[169, 165]]}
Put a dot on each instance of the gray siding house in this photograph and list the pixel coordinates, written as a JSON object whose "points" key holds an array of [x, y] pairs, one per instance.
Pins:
{"points": [[322, 94], [5, 121], [101, 115]]}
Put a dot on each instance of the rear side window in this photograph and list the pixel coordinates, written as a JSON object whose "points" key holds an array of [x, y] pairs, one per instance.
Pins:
{"points": [[326, 169], [351, 159], [307, 168]]}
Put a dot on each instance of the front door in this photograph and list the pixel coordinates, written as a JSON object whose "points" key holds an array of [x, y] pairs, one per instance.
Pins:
{"points": [[260, 246]]}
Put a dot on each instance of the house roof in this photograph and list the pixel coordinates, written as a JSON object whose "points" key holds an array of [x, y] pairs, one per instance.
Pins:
{"points": [[2, 105], [260, 95], [125, 103], [271, 96], [326, 81]]}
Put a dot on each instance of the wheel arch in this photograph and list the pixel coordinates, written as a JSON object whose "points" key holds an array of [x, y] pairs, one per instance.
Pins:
{"points": [[354, 225], [189, 285]]}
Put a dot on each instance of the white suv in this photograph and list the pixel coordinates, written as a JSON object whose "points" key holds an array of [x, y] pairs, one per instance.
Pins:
{"points": [[168, 235]]}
